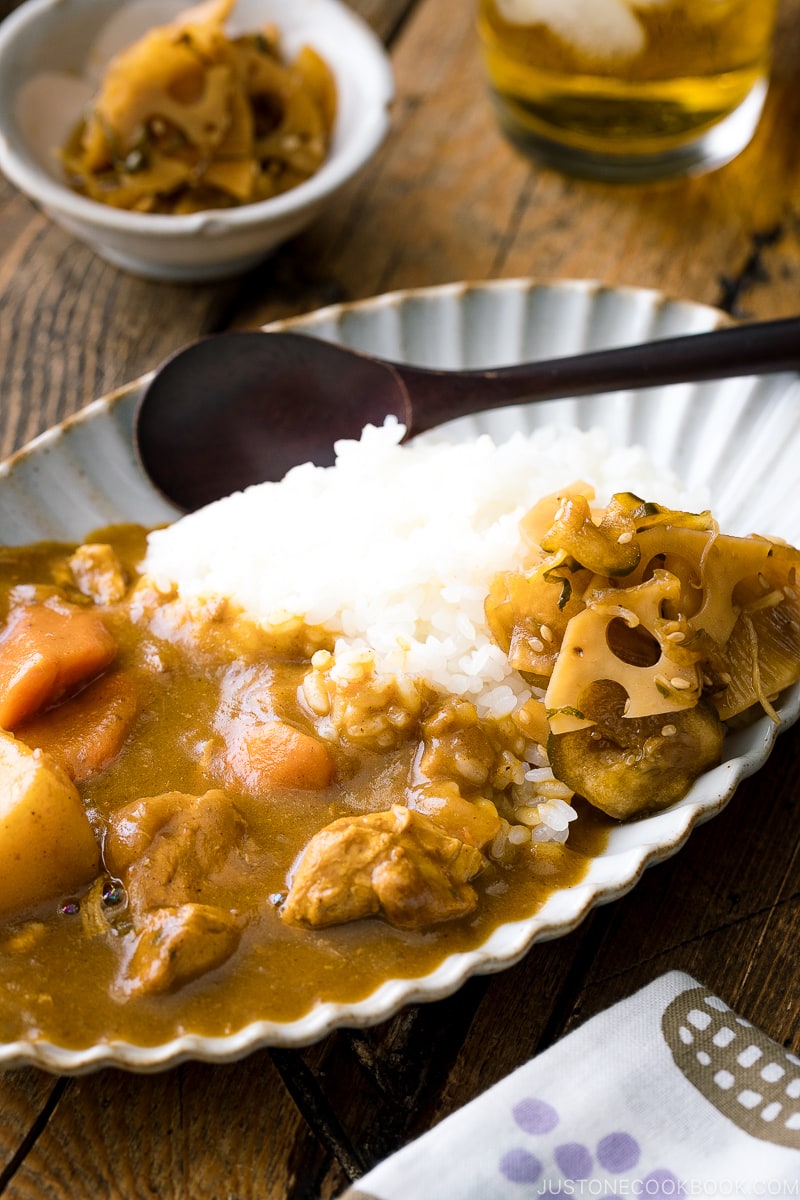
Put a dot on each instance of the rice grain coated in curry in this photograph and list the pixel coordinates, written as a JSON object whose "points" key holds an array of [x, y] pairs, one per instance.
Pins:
{"points": [[328, 732]]}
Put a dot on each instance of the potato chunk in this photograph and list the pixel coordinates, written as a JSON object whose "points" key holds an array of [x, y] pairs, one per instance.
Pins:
{"points": [[47, 846]]}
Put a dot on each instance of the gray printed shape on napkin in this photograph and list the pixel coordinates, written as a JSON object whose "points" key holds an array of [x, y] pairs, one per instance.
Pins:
{"points": [[737, 1068]]}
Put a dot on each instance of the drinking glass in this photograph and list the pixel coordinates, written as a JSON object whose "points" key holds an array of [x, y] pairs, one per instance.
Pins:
{"points": [[628, 89]]}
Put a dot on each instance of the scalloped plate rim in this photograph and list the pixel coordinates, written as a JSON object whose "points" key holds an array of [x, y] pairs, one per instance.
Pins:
{"points": [[444, 980]]}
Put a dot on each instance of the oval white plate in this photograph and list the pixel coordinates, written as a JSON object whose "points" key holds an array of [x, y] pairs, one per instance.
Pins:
{"points": [[738, 438]]}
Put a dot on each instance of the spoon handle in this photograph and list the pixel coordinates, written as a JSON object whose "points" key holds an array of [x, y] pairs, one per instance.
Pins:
{"points": [[760, 348]]}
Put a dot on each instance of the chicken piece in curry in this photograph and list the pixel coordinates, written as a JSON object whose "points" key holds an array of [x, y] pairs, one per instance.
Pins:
{"points": [[203, 823]]}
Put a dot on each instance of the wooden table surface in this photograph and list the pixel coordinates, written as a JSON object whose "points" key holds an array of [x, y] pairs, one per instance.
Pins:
{"points": [[445, 199]]}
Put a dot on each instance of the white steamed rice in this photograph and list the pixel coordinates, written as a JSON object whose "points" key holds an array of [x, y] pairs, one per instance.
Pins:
{"points": [[393, 548]]}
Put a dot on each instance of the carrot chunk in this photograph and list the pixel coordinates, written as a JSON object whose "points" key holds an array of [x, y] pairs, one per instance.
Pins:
{"points": [[278, 755], [45, 650], [85, 733]]}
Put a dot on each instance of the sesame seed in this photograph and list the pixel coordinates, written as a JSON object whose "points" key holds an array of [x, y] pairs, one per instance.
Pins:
{"points": [[135, 161], [537, 645], [546, 633], [679, 683], [724, 677], [624, 538], [669, 730], [676, 636]]}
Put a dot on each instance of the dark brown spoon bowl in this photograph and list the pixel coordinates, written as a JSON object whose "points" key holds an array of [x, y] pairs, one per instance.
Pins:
{"points": [[239, 408]]}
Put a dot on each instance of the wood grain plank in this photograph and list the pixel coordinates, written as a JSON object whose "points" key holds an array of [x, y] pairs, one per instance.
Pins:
{"points": [[384, 17], [415, 1061], [72, 327], [682, 237], [27, 1099], [725, 910], [193, 1133], [437, 202], [447, 198]]}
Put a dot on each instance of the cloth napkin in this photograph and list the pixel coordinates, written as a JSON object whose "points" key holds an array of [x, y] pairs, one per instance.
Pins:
{"points": [[667, 1094]]}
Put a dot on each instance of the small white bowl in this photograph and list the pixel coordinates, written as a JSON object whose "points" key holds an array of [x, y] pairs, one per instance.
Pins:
{"points": [[52, 55]]}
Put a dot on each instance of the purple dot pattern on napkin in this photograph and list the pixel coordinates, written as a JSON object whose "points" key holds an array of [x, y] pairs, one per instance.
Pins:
{"points": [[535, 1116], [616, 1153], [574, 1160], [520, 1166], [660, 1184]]}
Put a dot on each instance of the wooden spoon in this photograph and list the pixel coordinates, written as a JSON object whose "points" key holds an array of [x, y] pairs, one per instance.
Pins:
{"points": [[238, 408]]}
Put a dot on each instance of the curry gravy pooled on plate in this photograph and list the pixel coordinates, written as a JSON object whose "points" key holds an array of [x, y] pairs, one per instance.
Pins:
{"points": [[328, 732]]}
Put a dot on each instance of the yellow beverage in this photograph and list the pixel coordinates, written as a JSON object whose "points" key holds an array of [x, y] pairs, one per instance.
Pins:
{"points": [[628, 88]]}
